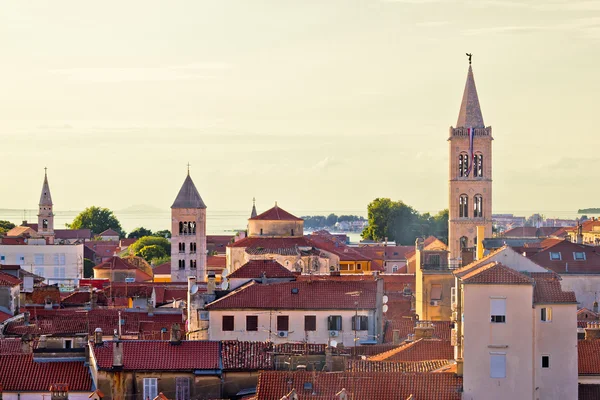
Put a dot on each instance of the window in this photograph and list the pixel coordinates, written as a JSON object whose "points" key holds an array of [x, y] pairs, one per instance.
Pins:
{"points": [[395, 268], [555, 256], [579, 256], [193, 247], [463, 206], [44, 224], [478, 165], [436, 292], [68, 344], [360, 323], [228, 323], [21, 259], [150, 388], [497, 365], [434, 259], [292, 232], [463, 164], [59, 272], [181, 264], [477, 206], [464, 242], [252, 323], [546, 361], [310, 323], [283, 323], [39, 271], [358, 266], [546, 314], [182, 388], [498, 310], [192, 264], [2, 258], [334, 323], [182, 247], [261, 232], [38, 259]]}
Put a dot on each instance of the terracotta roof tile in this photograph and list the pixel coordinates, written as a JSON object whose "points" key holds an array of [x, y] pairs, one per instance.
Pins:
{"points": [[116, 263], [242, 356], [162, 269], [256, 268], [276, 214], [4, 316], [8, 280], [265, 245], [392, 366], [310, 295], [20, 373], [216, 262], [419, 350], [548, 290], [273, 385], [496, 273], [588, 360], [567, 263], [150, 355]]}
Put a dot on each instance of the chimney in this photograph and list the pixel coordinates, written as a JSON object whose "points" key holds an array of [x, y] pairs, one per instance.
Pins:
{"points": [[595, 307], [98, 337], [211, 284], [117, 354], [396, 336], [42, 342], [59, 391], [480, 237], [263, 278], [175, 334], [26, 344], [579, 233], [419, 243], [24, 222], [423, 330]]}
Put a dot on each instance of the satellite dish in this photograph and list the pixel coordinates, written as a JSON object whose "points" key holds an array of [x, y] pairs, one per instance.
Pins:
{"points": [[385, 299], [385, 308], [194, 289], [224, 273], [333, 343], [224, 285]]}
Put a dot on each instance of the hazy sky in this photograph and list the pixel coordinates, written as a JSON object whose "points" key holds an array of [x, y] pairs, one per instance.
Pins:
{"points": [[320, 105]]}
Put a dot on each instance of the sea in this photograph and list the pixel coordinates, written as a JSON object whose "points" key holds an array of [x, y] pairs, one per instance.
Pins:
{"points": [[217, 222]]}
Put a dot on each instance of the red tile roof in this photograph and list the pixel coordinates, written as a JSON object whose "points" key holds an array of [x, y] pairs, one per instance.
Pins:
{"points": [[8, 280], [325, 241], [218, 243], [69, 322], [311, 296], [162, 269], [265, 245], [243, 356], [20, 373], [256, 268], [149, 355], [406, 326], [588, 359], [276, 214], [567, 263], [164, 291], [391, 366], [109, 232], [216, 261], [116, 263], [584, 314], [82, 297], [273, 385], [495, 273], [419, 350], [547, 290], [4, 316], [61, 234]]}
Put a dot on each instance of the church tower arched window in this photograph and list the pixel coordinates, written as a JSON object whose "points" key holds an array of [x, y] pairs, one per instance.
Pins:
{"points": [[463, 164], [464, 242], [478, 206], [478, 165], [463, 206]]}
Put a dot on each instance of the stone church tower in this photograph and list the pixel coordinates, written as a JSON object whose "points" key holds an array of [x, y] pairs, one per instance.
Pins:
{"points": [[470, 145], [45, 214], [188, 234]]}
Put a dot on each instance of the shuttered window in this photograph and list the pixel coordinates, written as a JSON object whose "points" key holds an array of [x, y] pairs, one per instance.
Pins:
{"points": [[150, 388], [436, 292], [498, 310], [228, 322], [360, 323], [310, 323], [334, 323], [498, 365], [283, 323], [252, 323]]}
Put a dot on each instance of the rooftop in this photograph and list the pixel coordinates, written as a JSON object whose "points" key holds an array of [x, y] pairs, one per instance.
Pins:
{"points": [[419, 350], [256, 268], [188, 196], [276, 214], [495, 273]]}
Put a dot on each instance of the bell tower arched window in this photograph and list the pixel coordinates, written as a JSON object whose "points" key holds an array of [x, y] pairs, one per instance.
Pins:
{"points": [[464, 241], [463, 206], [478, 165], [463, 164], [478, 206]]}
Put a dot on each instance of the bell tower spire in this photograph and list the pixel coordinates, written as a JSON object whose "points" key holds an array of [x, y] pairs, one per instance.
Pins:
{"points": [[470, 173], [45, 213]]}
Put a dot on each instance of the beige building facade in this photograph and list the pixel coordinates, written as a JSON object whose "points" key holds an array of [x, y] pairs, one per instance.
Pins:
{"points": [[470, 172]]}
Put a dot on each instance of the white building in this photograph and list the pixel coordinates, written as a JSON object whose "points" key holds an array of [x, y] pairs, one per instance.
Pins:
{"points": [[307, 311], [516, 336]]}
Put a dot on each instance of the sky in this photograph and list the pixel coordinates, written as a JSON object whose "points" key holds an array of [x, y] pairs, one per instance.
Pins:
{"points": [[320, 105]]}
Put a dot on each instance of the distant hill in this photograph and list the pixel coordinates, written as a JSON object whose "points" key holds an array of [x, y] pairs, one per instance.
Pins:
{"points": [[588, 211], [141, 208]]}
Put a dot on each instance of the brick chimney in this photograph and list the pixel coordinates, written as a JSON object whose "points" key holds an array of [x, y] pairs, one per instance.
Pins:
{"points": [[59, 391], [423, 330], [26, 343], [98, 337], [117, 355], [175, 335], [592, 331]]}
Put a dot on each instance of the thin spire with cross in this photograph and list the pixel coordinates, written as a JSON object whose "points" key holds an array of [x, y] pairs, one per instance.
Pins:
{"points": [[470, 55], [45, 170], [188, 167]]}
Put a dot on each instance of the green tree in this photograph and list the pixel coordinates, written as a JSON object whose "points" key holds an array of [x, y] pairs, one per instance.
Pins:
{"points": [[97, 219], [332, 219], [151, 252], [88, 268], [165, 233], [139, 232], [5, 226], [379, 212], [160, 260], [135, 248]]}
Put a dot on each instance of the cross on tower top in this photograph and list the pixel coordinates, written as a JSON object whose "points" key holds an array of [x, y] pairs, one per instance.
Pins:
{"points": [[188, 167]]}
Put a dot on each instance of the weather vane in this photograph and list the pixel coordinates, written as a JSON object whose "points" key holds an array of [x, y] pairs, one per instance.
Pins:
{"points": [[470, 55]]}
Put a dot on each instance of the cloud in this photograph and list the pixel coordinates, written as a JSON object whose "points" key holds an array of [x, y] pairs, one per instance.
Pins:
{"points": [[143, 74]]}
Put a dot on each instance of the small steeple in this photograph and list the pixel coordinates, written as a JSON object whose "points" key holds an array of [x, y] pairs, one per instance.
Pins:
{"points": [[188, 196], [470, 112], [45, 198], [253, 213]]}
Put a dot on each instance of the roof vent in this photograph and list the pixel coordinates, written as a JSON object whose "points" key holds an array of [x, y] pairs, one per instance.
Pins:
{"points": [[295, 290]]}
